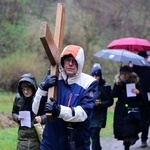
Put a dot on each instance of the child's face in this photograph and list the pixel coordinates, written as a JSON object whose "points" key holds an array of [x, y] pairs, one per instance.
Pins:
{"points": [[26, 90]]}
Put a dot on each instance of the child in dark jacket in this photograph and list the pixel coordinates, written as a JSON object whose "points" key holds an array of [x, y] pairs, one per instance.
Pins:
{"points": [[27, 136]]}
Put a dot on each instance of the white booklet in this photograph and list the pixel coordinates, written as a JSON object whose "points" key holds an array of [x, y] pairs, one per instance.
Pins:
{"points": [[27, 118], [148, 95], [129, 87]]}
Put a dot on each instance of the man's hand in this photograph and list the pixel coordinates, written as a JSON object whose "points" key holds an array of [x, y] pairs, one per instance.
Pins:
{"points": [[52, 107], [48, 81]]}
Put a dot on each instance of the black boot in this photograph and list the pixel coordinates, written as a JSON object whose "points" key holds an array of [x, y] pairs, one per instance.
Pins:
{"points": [[126, 145]]}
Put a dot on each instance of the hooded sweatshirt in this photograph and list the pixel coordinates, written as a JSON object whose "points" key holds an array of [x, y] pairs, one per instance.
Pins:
{"points": [[79, 93]]}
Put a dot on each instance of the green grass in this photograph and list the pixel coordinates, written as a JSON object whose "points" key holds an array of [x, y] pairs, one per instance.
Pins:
{"points": [[108, 130], [6, 101], [8, 138]]}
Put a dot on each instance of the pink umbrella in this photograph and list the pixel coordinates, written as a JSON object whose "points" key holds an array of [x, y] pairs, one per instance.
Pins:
{"points": [[131, 44]]}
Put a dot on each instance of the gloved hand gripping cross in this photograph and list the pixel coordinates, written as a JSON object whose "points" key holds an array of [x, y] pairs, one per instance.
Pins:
{"points": [[52, 107], [48, 81]]}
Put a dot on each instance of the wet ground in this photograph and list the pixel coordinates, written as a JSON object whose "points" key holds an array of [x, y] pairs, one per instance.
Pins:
{"points": [[109, 143]]}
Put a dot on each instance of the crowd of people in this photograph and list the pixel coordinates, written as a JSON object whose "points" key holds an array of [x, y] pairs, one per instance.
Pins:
{"points": [[80, 107]]}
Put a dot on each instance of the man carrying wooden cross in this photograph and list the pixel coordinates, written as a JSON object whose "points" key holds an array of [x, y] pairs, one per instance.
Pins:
{"points": [[76, 95]]}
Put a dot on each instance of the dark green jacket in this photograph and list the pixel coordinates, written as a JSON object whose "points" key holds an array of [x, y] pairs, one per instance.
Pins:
{"points": [[27, 137]]}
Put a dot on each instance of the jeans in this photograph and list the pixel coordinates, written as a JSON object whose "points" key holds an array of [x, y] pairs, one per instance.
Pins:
{"points": [[95, 135]]}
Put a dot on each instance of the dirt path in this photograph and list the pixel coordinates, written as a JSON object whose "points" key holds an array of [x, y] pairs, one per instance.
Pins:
{"points": [[109, 143]]}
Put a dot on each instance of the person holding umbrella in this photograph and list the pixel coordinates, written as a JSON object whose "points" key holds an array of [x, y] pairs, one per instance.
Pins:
{"points": [[104, 100], [127, 114], [144, 73]]}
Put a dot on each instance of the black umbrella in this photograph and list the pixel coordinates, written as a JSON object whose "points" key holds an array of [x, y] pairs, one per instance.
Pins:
{"points": [[121, 55]]}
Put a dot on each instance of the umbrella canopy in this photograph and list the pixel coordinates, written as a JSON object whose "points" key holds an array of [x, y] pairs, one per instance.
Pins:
{"points": [[121, 55], [132, 44]]}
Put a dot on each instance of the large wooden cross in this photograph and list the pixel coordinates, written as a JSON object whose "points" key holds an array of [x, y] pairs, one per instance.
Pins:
{"points": [[53, 46]]}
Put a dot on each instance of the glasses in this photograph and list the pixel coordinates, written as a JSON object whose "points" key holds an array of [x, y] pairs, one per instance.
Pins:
{"points": [[70, 60]]}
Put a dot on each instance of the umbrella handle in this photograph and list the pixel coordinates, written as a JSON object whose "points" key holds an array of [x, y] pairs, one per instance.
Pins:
{"points": [[121, 64]]}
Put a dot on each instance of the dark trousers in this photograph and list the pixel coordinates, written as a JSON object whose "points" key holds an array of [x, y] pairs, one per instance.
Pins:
{"points": [[95, 135], [126, 145], [144, 135], [145, 122]]}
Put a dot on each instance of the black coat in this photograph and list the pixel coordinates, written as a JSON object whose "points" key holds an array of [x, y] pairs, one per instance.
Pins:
{"points": [[144, 77], [100, 112], [122, 127]]}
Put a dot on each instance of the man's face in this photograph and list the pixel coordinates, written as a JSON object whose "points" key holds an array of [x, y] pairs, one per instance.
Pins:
{"points": [[70, 66]]}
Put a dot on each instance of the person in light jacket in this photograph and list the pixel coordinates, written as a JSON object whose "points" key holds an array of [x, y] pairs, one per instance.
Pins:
{"points": [[144, 72]]}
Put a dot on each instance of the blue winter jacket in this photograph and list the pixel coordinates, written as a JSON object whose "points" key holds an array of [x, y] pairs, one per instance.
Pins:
{"points": [[78, 93]]}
